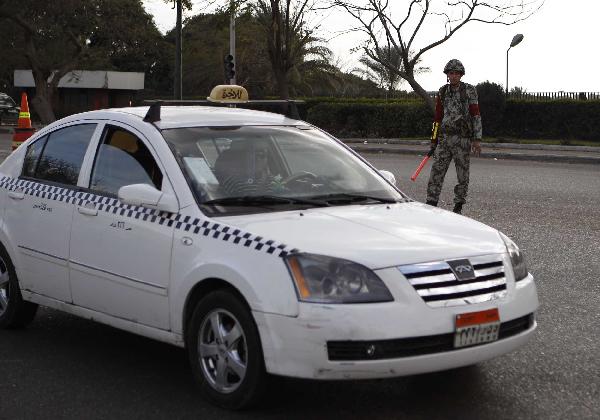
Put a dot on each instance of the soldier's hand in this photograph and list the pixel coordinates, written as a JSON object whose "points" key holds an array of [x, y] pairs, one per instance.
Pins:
{"points": [[432, 149], [476, 147]]}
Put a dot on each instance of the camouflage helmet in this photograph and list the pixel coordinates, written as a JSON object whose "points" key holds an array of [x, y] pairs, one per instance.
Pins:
{"points": [[454, 65]]}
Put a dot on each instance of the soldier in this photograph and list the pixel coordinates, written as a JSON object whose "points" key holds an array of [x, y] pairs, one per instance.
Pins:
{"points": [[457, 111]]}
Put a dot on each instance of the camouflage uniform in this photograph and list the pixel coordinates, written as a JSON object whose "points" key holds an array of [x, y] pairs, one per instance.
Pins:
{"points": [[457, 112]]}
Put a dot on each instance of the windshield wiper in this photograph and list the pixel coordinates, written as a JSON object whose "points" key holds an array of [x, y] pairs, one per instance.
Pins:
{"points": [[257, 200], [346, 198]]}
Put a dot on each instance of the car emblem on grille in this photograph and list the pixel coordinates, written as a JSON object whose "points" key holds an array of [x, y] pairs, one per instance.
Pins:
{"points": [[462, 269]]}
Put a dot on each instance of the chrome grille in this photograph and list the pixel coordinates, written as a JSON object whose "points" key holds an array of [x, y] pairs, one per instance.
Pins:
{"points": [[438, 286]]}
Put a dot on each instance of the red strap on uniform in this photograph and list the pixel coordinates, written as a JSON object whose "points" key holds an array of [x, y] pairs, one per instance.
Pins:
{"points": [[474, 109], [439, 109]]}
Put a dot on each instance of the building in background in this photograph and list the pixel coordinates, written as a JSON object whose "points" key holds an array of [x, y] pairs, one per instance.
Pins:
{"points": [[84, 90]]}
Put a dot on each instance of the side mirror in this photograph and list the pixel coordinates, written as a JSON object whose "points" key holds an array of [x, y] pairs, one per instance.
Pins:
{"points": [[147, 196], [388, 176]]}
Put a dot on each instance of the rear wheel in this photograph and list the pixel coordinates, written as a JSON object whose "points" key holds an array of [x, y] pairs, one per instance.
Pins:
{"points": [[225, 351], [14, 311]]}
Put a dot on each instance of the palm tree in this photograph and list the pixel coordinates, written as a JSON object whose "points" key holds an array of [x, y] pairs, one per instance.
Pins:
{"points": [[291, 43], [386, 77]]}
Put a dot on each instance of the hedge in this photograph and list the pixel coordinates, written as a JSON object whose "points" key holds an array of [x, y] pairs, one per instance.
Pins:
{"points": [[552, 120], [562, 120], [372, 120]]}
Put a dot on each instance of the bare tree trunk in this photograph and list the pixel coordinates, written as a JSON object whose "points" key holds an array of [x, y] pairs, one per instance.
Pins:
{"points": [[282, 84], [42, 102], [421, 92]]}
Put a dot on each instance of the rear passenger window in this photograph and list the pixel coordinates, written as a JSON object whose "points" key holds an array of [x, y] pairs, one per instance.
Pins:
{"points": [[123, 159], [32, 157], [62, 155]]}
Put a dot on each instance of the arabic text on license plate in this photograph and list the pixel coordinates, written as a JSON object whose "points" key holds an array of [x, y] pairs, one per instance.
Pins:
{"points": [[476, 328]]}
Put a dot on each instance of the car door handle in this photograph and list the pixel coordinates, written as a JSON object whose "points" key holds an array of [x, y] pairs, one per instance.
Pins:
{"points": [[89, 209], [17, 194]]}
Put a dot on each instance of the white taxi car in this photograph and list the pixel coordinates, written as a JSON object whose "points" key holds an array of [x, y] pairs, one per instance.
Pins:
{"points": [[258, 242]]}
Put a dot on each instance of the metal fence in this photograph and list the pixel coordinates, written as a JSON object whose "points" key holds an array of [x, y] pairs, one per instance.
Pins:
{"points": [[554, 96], [532, 96]]}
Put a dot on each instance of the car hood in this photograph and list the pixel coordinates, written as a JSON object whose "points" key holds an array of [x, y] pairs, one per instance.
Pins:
{"points": [[376, 236]]}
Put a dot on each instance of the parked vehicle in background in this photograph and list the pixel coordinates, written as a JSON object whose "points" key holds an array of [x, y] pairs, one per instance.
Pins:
{"points": [[9, 111], [258, 242]]}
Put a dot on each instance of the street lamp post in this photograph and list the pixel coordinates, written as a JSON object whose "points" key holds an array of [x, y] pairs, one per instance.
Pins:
{"points": [[178, 88], [515, 41]]}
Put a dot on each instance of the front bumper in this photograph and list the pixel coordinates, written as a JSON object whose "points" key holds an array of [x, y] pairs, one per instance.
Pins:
{"points": [[298, 346]]}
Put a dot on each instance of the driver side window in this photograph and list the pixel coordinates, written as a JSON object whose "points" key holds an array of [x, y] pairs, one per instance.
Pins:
{"points": [[123, 159]]}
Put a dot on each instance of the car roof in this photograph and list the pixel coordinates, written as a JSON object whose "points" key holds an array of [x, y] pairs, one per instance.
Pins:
{"points": [[195, 116]]}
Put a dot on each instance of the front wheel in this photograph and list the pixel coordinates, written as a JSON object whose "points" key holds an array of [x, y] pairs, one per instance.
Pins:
{"points": [[14, 311], [225, 351]]}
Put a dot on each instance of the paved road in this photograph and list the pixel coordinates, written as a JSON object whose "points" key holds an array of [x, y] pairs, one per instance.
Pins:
{"points": [[65, 367], [533, 152]]}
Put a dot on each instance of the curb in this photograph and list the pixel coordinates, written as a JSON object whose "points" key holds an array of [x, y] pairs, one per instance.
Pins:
{"points": [[519, 146], [487, 155]]}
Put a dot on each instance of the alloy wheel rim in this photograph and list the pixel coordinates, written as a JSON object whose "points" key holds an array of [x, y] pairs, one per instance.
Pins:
{"points": [[223, 351], [4, 286]]}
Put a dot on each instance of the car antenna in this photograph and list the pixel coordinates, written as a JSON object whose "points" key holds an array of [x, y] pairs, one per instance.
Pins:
{"points": [[153, 113]]}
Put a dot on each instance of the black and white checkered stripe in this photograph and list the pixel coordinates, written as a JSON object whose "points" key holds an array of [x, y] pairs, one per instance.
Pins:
{"points": [[196, 226]]}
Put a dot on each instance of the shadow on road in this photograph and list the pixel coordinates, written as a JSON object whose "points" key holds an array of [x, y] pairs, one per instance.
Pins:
{"points": [[77, 368]]}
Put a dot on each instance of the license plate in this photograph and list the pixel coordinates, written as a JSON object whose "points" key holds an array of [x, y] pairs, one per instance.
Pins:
{"points": [[476, 328]]}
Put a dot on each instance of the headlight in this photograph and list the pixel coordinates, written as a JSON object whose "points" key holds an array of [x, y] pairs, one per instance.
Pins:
{"points": [[321, 279], [516, 258]]}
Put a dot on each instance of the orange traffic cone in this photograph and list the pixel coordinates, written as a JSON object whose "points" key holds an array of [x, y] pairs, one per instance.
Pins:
{"points": [[23, 130]]}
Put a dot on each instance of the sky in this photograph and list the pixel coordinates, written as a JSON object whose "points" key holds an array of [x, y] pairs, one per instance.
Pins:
{"points": [[559, 51]]}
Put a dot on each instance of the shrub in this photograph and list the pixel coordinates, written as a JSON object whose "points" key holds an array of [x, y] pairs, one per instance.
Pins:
{"points": [[562, 120], [492, 104], [567, 119], [372, 119]]}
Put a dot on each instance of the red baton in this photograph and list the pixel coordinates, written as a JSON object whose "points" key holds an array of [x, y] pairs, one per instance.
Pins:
{"points": [[421, 165]]}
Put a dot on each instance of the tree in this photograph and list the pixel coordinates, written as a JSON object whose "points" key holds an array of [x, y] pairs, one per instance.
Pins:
{"points": [[383, 75], [289, 38], [10, 37], [400, 28], [206, 37], [126, 39], [58, 37], [49, 42]]}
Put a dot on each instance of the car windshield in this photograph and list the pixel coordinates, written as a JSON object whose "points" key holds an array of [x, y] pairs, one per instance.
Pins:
{"points": [[273, 168]]}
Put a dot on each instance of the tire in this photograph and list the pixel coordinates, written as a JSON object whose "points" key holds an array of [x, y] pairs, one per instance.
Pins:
{"points": [[14, 311], [225, 351]]}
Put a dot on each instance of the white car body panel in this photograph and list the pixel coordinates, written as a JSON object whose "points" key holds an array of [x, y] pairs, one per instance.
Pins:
{"points": [[139, 274], [288, 352], [124, 270], [41, 229], [375, 235]]}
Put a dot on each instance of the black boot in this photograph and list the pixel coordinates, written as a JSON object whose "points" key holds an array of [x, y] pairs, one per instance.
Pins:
{"points": [[458, 208], [431, 203]]}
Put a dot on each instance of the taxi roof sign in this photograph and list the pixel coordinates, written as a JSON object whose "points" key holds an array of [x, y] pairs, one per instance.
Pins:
{"points": [[228, 94]]}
